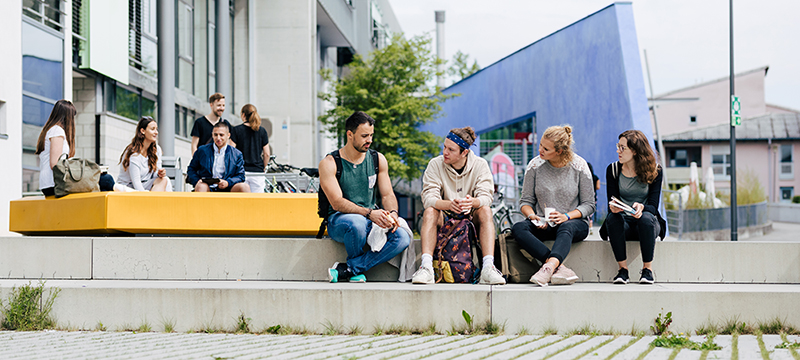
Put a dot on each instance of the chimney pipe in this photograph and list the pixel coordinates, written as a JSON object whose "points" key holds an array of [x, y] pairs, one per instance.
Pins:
{"points": [[440, 47]]}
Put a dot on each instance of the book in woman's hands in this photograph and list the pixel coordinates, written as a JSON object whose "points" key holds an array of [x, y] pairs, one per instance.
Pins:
{"points": [[621, 205]]}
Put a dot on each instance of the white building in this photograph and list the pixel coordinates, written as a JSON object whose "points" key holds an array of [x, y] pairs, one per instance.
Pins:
{"points": [[106, 57]]}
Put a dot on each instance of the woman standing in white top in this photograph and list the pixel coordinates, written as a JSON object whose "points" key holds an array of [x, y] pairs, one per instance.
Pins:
{"points": [[140, 163], [57, 138]]}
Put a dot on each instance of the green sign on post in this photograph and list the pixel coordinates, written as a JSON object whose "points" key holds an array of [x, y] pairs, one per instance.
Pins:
{"points": [[736, 111]]}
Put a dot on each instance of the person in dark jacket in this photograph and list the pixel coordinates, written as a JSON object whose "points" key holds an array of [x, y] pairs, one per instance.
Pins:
{"points": [[217, 166], [633, 182]]}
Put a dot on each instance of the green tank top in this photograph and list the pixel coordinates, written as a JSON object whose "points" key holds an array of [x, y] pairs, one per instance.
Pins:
{"points": [[358, 183]]}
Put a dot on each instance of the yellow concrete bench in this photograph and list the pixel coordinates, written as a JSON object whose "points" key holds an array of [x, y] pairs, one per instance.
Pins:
{"points": [[167, 213]]}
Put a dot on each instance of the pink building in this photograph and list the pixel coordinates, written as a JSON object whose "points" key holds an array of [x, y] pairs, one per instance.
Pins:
{"points": [[695, 127]]}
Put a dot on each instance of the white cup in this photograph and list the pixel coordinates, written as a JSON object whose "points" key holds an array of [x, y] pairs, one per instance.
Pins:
{"points": [[547, 212]]}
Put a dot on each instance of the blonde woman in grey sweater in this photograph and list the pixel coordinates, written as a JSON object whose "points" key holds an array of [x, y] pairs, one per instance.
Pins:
{"points": [[557, 182]]}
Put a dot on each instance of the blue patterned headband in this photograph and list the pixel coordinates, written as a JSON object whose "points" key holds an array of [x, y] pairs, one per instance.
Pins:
{"points": [[458, 140]]}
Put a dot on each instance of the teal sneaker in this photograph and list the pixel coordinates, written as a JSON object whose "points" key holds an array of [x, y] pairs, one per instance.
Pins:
{"points": [[358, 279]]}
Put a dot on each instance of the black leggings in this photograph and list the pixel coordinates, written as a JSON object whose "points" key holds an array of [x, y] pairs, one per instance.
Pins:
{"points": [[530, 238], [644, 229]]}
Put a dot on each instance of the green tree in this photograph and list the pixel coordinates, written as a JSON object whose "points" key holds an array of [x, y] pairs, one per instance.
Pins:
{"points": [[392, 86], [461, 68]]}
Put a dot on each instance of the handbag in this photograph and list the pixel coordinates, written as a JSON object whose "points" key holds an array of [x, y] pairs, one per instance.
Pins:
{"points": [[75, 175]]}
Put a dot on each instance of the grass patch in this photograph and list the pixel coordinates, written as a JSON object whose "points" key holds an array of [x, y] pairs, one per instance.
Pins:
{"points": [[633, 341], [100, 326], [27, 309], [683, 342], [242, 324], [585, 330], [169, 325], [733, 326], [549, 330], [776, 326], [144, 327], [274, 329]]}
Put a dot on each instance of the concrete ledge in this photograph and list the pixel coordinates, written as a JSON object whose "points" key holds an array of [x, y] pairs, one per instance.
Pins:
{"points": [[306, 259], [175, 258], [167, 213], [623, 307], [216, 305], [45, 258]]}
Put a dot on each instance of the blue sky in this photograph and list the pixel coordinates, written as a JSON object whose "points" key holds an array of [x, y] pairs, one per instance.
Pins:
{"points": [[686, 40]]}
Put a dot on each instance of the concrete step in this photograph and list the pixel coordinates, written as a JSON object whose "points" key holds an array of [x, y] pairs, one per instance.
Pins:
{"points": [[306, 259], [319, 307]]}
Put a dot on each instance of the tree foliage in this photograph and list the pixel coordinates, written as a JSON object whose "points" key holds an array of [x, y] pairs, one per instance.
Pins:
{"points": [[460, 68], [392, 86]]}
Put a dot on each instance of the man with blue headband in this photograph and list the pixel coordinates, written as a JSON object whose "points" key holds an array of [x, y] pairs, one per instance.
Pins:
{"points": [[458, 182]]}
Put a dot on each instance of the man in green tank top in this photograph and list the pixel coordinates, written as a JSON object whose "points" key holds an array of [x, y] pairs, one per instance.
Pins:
{"points": [[352, 198]]}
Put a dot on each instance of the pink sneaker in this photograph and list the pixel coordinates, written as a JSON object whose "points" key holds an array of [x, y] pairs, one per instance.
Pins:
{"points": [[564, 276], [542, 277]]}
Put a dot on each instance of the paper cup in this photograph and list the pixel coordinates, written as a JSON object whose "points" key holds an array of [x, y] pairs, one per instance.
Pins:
{"points": [[547, 212]]}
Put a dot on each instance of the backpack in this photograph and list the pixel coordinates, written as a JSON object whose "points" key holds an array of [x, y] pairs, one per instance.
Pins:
{"points": [[452, 261], [513, 261], [323, 205]]}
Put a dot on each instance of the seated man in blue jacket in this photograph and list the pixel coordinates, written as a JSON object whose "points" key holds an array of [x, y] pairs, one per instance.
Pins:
{"points": [[217, 166]]}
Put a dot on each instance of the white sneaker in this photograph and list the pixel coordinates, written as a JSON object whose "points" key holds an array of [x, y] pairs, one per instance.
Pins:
{"points": [[424, 275], [492, 276], [563, 276]]}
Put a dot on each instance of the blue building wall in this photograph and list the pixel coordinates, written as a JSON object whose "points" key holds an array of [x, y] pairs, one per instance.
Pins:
{"points": [[587, 74]]}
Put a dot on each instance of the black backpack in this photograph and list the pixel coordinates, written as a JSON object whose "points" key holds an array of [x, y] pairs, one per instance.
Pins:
{"points": [[323, 205]]}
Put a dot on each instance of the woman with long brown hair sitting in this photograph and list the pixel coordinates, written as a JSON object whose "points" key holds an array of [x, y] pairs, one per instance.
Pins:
{"points": [[140, 164]]}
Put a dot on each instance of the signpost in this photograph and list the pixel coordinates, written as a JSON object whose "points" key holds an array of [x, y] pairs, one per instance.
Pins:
{"points": [[736, 108]]}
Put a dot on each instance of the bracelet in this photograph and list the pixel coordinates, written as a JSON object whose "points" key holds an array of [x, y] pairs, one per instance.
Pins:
{"points": [[369, 212], [529, 216], [568, 218], [394, 211]]}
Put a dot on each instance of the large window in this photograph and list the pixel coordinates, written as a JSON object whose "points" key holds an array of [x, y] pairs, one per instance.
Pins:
{"points": [[721, 161], [684, 156], [787, 165], [42, 77], [184, 120]]}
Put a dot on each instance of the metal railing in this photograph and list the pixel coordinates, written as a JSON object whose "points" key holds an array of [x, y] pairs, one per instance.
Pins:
{"points": [[674, 212]]}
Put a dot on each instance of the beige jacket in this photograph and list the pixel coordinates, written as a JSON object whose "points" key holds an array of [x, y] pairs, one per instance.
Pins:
{"points": [[442, 182]]}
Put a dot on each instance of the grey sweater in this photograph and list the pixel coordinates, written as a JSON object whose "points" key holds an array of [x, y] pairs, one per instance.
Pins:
{"points": [[565, 189]]}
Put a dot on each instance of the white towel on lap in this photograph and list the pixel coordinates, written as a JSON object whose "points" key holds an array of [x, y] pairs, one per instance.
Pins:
{"points": [[407, 261]]}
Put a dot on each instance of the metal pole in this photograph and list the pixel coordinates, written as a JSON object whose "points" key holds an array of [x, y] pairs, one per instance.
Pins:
{"points": [[440, 47], [734, 215], [166, 75], [665, 182], [223, 54]]}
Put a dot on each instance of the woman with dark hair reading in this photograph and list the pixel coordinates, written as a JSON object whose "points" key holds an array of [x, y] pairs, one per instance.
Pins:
{"points": [[140, 163], [252, 140], [558, 199], [57, 138], [634, 190]]}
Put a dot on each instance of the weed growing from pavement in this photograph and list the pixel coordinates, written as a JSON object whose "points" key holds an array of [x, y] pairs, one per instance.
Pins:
{"points": [[683, 342], [733, 326], [274, 329], [662, 323], [100, 326], [144, 327], [242, 324], [169, 325], [27, 308]]}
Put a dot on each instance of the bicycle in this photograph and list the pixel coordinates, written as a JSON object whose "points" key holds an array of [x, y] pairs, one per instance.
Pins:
{"points": [[504, 217], [283, 174]]}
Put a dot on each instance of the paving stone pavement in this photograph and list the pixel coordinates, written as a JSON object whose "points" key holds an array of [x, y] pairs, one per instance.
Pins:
{"points": [[126, 345]]}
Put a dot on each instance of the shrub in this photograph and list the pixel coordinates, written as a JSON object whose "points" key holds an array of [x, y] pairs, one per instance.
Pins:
{"points": [[27, 309]]}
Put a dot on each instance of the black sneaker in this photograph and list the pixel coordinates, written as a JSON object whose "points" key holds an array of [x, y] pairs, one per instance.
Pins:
{"points": [[339, 272], [647, 277], [622, 277]]}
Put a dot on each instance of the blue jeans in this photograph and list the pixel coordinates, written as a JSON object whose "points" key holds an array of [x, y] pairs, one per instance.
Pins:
{"points": [[352, 230]]}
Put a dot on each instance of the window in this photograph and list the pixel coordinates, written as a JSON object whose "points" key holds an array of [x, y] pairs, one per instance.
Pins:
{"points": [[787, 193], [721, 162], [47, 12], [184, 120], [693, 119], [683, 157], [185, 46], [787, 166], [3, 121], [130, 102], [42, 73], [142, 38]]}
